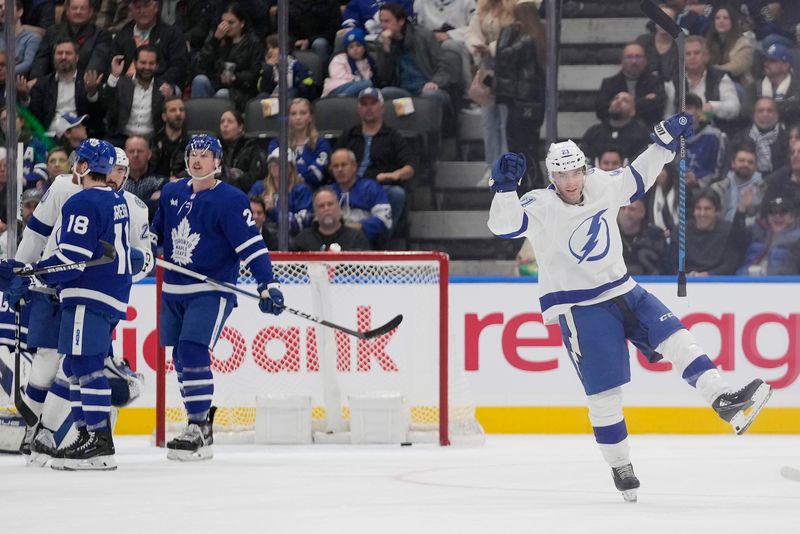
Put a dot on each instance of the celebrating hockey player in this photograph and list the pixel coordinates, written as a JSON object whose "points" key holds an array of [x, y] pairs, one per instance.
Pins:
{"points": [[584, 286], [206, 226], [93, 299]]}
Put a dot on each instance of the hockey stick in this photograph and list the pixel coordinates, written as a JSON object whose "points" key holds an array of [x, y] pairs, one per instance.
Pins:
{"points": [[369, 334], [109, 255], [24, 410], [671, 27]]}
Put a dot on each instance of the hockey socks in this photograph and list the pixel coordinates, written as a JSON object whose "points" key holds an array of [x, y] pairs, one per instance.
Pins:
{"points": [[196, 380], [94, 393]]}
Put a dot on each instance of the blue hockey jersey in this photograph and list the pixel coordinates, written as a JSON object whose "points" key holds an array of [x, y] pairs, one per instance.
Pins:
{"points": [[310, 164], [208, 232], [364, 14], [366, 203], [89, 216]]}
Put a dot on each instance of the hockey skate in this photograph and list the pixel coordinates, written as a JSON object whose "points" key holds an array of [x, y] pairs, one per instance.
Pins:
{"points": [[740, 408], [25, 446], [194, 443], [60, 454], [95, 454], [43, 448], [626, 482]]}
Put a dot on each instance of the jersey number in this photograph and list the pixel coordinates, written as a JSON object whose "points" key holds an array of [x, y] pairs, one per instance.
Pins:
{"points": [[121, 246], [78, 224], [248, 215]]}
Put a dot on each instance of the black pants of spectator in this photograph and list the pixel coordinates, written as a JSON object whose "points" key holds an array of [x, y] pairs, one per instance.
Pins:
{"points": [[522, 130]]}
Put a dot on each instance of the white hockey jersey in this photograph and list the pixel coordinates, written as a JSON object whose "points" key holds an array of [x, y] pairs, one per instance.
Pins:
{"points": [[38, 239], [578, 246], [140, 231]]}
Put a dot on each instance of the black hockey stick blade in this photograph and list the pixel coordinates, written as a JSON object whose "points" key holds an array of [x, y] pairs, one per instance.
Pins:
{"points": [[109, 255], [19, 402], [385, 329], [655, 14]]}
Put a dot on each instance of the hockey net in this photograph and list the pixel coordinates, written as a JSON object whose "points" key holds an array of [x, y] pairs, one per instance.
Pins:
{"points": [[261, 354]]}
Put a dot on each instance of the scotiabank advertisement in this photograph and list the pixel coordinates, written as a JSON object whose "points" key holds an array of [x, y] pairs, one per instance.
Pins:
{"points": [[501, 354]]}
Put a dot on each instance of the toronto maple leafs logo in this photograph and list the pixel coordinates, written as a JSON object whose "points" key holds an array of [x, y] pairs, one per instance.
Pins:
{"points": [[183, 243], [590, 241]]}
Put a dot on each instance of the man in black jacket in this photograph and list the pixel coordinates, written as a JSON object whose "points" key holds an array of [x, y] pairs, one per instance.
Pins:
{"points": [[620, 130], [147, 28], [634, 77], [94, 44], [328, 231]]}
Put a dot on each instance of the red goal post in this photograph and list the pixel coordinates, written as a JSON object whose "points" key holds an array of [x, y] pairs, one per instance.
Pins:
{"points": [[262, 354]]}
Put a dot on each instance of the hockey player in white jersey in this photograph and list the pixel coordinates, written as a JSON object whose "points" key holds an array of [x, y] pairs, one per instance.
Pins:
{"points": [[205, 225], [585, 288]]}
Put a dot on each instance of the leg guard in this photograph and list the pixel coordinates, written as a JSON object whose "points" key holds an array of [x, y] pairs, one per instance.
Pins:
{"points": [[197, 381], [43, 373], [608, 423], [686, 356]]}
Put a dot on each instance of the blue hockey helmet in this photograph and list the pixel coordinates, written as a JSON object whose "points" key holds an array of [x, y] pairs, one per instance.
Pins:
{"points": [[204, 142], [100, 155]]}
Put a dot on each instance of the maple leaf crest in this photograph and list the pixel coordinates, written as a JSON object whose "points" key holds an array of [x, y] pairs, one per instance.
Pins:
{"points": [[183, 243]]}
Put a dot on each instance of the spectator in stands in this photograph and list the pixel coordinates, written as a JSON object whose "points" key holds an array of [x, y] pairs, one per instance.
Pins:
{"points": [[168, 144], [410, 60], [193, 19], [715, 89], [141, 181], [705, 151], [63, 91], [27, 42], [793, 132], [147, 28], [299, 205], [382, 153], [448, 20], [634, 78], [662, 201], [94, 43], [643, 245], [227, 66], [743, 180], [690, 19], [785, 182], [241, 153], [133, 102], [779, 83], [519, 84], [113, 15], [775, 243], [313, 25], [610, 159], [364, 14], [39, 13], [364, 203], [481, 38], [28, 201], [328, 231], [70, 131], [660, 49], [713, 246], [352, 70], [730, 51], [768, 134], [259, 211], [57, 163], [256, 11], [3, 64], [311, 151], [300, 82], [620, 129]]}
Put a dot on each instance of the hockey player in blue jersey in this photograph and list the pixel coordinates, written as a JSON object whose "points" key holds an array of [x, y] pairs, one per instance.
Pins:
{"points": [[205, 225], [585, 288], [93, 300]]}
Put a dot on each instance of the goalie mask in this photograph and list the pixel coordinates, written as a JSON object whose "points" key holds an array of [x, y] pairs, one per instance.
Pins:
{"points": [[126, 386]]}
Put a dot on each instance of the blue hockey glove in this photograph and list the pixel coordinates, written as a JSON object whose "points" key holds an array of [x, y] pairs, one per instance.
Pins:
{"points": [[271, 298], [507, 172], [667, 133], [9, 280], [20, 294]]}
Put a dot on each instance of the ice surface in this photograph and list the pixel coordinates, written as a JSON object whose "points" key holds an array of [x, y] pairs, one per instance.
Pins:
{"points": [[533, 484]]}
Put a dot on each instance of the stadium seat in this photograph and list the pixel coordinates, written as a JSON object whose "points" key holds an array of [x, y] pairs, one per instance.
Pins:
{"points": [[423, 128], [332, 116], [203, 114], [313, 63], [257, 125]]}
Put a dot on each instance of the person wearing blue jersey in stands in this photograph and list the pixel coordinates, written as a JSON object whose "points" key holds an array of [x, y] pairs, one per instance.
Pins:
{"points": [[206, 226]]}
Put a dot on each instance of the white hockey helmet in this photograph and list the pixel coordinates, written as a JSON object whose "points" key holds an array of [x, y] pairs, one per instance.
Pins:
{"points": [[122, 160], [564, 156]]}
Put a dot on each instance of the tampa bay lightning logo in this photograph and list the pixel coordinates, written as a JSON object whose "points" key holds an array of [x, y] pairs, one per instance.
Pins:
{"points": [[590, 240]]}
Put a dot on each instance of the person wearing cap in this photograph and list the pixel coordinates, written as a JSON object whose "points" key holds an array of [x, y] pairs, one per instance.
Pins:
{"points": [[29, 199], [70, 130], [779, 83], [382, 153], [62, 91], [148, 28], [352, 70], [94, 42], [300, 193], [774, 247]]}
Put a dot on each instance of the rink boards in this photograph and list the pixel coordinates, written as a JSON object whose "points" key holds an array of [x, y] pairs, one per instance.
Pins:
{"points": [[518, 372]]}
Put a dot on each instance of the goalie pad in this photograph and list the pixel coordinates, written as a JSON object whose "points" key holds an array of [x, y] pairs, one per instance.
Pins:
{"points": [[12, 432], [126, 386]]}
